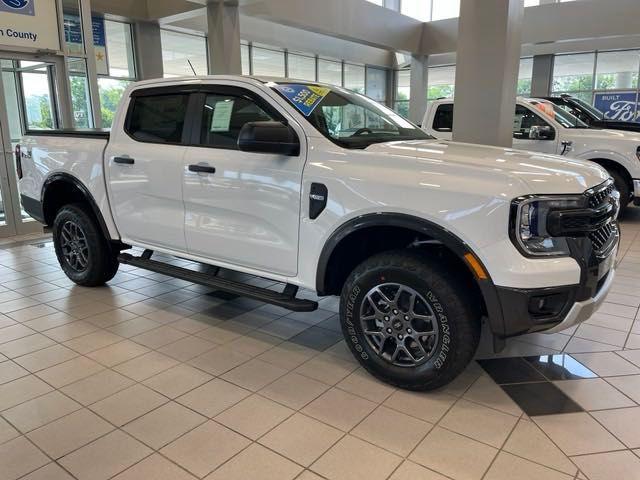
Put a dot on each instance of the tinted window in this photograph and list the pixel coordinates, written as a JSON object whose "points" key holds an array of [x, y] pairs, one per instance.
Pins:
{"points": [[443, 120], [224, 116], [158, 118], [524, 120]]}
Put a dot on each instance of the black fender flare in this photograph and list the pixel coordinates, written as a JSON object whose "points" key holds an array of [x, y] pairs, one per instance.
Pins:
{"points": [[420, 225], [75, 182]]}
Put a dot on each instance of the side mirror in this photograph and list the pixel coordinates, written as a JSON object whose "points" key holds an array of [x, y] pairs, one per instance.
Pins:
{"points": [[538, 132], [269, 137]]}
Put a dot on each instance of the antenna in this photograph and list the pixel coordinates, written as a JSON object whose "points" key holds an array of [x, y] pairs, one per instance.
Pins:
{"points": [[192, 69]]}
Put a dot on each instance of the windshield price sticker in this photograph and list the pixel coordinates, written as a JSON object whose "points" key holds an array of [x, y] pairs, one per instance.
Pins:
{"points": [[304, 97]]}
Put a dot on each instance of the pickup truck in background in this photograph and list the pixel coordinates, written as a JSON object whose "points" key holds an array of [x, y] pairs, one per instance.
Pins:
{"points": [[542, 126], [318, 187], [590, 114]]}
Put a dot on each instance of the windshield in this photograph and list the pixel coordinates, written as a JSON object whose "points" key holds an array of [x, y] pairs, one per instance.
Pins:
{"points": [[559, 114], [346, 118], [593, 111]]}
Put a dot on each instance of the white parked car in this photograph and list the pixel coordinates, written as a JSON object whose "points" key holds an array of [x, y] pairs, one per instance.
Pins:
{"points": [[542, 126], [318, 187]]}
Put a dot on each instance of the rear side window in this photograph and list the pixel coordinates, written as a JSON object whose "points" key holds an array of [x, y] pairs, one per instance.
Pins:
{"points": [[224, 116], [443, 120], [157, 118]]}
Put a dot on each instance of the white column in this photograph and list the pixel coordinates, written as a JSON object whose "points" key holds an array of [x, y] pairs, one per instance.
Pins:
{"points": [[488, 59], [223, 46], [418, 88], [541, 75]]}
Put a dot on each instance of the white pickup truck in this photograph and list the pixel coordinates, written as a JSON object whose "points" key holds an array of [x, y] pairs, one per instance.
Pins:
{"points": [[318, 187], [540, 125]]}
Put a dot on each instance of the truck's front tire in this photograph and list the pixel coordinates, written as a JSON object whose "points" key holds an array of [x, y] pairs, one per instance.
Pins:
{"points": [[408, 320], [83, 253]]}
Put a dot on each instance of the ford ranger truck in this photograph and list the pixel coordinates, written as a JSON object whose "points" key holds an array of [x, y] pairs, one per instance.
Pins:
{"points": [[317, 187], [542, 126]]}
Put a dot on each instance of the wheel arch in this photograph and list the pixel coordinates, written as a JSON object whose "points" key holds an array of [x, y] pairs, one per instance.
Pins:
{"points": [[609, 164], [387, 231], [61, 189]]}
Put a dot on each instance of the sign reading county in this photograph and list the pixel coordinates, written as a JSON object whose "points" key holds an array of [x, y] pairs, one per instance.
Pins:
{"points": [[29, 24], [304, 97], [22, 7], [621, 106]]}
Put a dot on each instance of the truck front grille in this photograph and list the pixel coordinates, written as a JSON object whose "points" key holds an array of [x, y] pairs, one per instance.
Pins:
{"points": [[604, 238]]}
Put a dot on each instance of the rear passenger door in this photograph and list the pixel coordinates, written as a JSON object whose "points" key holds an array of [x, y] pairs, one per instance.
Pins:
{"points": [[143, 163], [244, 208]]}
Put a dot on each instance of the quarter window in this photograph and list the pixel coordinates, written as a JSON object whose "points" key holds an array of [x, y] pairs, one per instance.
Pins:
{"points": [[158, 118], [224, 116]]}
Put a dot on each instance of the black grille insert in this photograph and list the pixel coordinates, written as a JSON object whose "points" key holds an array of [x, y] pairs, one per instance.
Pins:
{"points": [[603, 238]]}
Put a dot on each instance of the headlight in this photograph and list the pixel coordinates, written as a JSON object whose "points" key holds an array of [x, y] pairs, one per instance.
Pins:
{"points": [[529, 226]]}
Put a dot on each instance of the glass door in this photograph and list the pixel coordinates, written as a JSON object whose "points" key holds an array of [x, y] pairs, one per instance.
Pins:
{"points": [[27, 101]]}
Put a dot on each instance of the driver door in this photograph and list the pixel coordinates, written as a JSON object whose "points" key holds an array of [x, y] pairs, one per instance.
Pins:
{"points": [[528, 126], [241, 208]]}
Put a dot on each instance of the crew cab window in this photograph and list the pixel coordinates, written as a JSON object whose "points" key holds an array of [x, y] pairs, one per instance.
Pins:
{"points": [[157, 118], [443, 119], [523, 120], [224, 116]]}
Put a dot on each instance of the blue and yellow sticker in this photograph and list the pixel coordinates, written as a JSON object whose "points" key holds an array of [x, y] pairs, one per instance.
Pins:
{"points": [[304, 97]]}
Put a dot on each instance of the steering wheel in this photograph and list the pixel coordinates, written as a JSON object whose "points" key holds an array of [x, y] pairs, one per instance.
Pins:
{"points": [[360, 131]]}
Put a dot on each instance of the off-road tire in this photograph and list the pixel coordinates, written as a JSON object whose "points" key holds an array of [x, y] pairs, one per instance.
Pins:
{"points": [[101, 260], [457, 312], [623, 187]]}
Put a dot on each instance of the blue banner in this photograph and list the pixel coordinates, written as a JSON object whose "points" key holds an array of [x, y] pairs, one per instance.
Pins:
{"points": [[21, 7], [304, 97], [620, 106]]}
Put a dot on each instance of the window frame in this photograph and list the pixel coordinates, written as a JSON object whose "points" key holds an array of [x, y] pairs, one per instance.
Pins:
{"points": [[547, 123]]}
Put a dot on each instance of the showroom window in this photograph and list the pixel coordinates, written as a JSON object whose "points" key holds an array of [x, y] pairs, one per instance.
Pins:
{"points": [[441, 82], [403, 92], [120, 67], [267, 61], [574, 74], [376, 84], [525, 72], [442, 9], [418, 9], [178, 49], [301, 67], [330, 71], [354, 77], [617, 70], [245, 54]]}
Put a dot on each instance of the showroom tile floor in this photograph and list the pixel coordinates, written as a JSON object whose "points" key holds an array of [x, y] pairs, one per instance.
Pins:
{"points": [[156, 378]]}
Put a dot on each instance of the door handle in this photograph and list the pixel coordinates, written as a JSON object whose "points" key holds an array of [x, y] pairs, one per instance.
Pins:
{"points": [[201, 168], [124, 160]]}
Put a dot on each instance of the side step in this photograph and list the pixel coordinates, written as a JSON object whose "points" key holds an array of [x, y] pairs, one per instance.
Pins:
{"points": [[286, 299]]}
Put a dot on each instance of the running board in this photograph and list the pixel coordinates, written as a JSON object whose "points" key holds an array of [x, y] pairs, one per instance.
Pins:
{"points": [[286, 299]]}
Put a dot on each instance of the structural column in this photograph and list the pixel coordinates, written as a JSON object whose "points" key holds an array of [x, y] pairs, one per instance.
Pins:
{"points": [[541, 75], [148, 48], [418, 88], [488, 59], [223, 48]]}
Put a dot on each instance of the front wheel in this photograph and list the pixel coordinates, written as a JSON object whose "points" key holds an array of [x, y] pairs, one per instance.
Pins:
{"points": [[623, 187], [408, 321], [83, 253]]}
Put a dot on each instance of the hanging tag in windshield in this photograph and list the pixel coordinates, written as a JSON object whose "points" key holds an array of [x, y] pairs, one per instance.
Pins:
{"points": [[304, 97]]}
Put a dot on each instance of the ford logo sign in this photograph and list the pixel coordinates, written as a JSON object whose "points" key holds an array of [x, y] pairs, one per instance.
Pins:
{"points": [[17, 4]]}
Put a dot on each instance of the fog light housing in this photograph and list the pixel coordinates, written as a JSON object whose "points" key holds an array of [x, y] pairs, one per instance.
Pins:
{"points": [[543, 306]]}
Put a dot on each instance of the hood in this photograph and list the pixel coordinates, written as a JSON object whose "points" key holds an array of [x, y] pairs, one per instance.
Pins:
{"points": [[542, 173], [603, 134]]}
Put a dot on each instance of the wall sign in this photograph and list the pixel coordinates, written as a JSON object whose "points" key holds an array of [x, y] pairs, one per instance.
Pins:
{"points": [[29, 23], [621, 106]]}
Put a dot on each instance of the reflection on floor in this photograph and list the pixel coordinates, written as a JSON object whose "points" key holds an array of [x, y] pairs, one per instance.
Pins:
{"points": [[154, 378]]}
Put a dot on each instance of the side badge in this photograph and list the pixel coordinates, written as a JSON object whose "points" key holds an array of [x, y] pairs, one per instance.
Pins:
{"points": [[317, 199]]}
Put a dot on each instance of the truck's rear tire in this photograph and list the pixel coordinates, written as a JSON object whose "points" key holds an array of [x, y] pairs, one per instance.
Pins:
{"points": [[83, 253], [408, 321]]}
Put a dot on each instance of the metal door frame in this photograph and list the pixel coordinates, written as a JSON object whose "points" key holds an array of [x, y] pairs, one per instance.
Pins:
{"points": [[59, 89]]}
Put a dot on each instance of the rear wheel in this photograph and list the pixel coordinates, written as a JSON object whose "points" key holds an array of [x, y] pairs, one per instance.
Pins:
{"points": [[86, 257], [408, 321]]}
